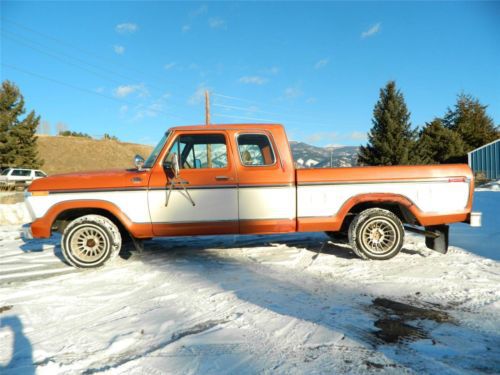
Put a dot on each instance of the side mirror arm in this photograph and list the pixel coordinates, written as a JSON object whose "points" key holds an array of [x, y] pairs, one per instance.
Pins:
{"points": [[173, 166]]}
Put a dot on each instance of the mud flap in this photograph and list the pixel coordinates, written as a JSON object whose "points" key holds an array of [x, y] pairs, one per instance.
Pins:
{"points": [[438, 243]]}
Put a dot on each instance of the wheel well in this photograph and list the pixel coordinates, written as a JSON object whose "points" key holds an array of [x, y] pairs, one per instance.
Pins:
{"points": [[64, 218], [401, 211]]}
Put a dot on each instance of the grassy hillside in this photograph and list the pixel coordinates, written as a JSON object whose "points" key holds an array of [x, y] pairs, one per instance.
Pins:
{"points": [[71, 154]]}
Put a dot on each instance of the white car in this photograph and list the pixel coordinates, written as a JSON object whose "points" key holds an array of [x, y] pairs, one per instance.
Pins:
{"points": [[14, 176]]}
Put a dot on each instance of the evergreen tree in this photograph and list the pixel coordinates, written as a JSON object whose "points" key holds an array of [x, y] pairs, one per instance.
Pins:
{"points": [[438, 144], [18, 146], [391, 140], [469, 119]]}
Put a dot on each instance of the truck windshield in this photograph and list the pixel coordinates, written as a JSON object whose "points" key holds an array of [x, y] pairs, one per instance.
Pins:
{"points": [[154, 155]]}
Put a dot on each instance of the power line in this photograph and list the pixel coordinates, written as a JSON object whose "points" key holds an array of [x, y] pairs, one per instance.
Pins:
{"points": [[58, 58], [305, 120], [247, 109], [72, 45], [81, 88], [63, 57], [246, 118]]}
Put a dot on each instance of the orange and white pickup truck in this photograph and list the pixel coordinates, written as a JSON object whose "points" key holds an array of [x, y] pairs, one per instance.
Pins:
{"points": [[241, 179]]}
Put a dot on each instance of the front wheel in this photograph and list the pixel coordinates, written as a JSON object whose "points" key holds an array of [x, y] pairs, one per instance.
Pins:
{"points": [[376, 234], [90, 241]]}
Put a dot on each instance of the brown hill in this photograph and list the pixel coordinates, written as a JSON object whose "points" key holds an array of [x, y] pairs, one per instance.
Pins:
{"points": [[72, 154]]}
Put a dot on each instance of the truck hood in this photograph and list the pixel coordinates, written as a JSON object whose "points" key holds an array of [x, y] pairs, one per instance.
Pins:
{"points": [[105, 179]]}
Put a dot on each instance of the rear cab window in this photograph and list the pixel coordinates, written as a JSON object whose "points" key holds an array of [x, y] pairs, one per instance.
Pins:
{"points": [[255, 150]]}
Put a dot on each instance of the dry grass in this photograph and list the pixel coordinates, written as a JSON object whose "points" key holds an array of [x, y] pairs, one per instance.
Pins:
{"points": [[73, 154]]}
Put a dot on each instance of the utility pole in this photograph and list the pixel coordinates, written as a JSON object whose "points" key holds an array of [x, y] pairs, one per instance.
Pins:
{"points": [[207, 122], [207, 108]]}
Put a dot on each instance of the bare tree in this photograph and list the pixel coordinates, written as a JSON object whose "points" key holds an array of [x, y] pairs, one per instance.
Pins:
{"points": [[61, 127], [44, 128]]}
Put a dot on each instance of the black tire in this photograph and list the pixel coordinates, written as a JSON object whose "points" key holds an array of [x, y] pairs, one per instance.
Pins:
{"points": [[90, 241], [376, 234]]}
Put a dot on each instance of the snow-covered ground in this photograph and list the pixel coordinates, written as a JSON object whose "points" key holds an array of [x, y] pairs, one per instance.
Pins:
{"points": [[254, 304]]}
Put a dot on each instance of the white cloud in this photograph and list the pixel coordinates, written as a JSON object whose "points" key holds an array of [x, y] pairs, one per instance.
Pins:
{"points": [[217, 23], [322, 136], [311, 99], [371, 31], [358, 136], [99, 90], [253, 80], [198, 96], [199, 11], [125, 90], [126, 28], [169, 65], [153, 109], [273, 70], [124, 109], [321, 63], [292, 92], [119, 50]]}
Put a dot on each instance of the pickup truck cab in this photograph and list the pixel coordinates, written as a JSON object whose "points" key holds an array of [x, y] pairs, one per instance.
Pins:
{"points": [[241, 179]]}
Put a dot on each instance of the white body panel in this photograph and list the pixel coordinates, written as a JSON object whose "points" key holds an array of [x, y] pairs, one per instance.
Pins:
{"points": [[211, 205], [326, 200], [231, 204], [134, 204], [267, 203]]}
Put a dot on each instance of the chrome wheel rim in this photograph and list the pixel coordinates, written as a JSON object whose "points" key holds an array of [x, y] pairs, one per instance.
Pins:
{"points": [[89, 244], [379, 236]]}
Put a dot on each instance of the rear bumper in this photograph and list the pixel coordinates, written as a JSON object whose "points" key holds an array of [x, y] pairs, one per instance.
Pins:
{"points": [[26, 232], [475, 219]]}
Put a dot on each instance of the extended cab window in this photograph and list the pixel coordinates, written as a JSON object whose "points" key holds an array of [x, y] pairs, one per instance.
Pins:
{"points": [[255, 150], [40, 174], [201, 151]]}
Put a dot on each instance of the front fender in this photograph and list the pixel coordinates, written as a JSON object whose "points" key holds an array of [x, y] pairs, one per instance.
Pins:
{"points": [[42, 227]]}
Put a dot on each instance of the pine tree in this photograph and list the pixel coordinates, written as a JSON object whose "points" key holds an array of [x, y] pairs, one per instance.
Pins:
{"points": [[469, 119], [18, 146], [391, 140], [438, 144]]}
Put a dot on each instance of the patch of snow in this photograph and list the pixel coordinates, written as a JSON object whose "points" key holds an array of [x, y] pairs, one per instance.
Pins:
{"points": [[490, 186], [16, 213]]}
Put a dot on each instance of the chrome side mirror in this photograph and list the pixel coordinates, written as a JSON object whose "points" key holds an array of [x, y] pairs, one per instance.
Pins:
{"points": [[139, 162], [172, 163]]}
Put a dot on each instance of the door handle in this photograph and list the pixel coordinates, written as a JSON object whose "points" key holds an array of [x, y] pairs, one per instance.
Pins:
{"points": [[222, 178]]}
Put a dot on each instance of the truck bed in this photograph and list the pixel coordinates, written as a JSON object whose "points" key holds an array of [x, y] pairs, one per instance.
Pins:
{"points": [[435, 191]]}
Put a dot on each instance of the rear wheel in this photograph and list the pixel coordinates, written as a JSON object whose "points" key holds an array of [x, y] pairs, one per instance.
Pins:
{"points": [[376, 234], [90, 241]]}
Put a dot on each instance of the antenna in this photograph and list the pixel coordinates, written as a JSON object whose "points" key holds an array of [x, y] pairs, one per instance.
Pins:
{"points": [[207, 108]]}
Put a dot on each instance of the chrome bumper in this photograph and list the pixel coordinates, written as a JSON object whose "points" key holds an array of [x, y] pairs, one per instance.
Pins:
{"points": [[26, 232], [475, 219]]}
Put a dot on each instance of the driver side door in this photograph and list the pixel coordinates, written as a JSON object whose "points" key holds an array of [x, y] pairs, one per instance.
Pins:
{"points": [[207, 171]]}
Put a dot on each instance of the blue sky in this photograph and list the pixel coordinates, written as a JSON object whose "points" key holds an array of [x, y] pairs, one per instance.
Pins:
{"points": [[133, 69]]}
